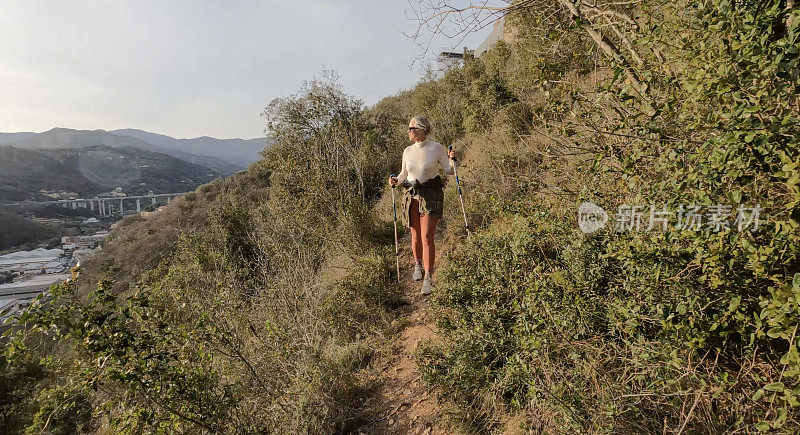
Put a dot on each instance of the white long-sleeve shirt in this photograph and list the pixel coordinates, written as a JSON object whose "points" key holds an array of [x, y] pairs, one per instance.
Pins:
{"points": [[421, 162]]}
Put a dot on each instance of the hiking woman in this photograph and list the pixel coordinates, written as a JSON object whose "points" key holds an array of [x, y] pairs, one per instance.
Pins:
{"points": [[423, 197]]}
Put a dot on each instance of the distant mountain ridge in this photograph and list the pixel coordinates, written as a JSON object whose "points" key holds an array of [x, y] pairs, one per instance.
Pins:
{"points": [[238, 151], [225, 156], [6, 138]]}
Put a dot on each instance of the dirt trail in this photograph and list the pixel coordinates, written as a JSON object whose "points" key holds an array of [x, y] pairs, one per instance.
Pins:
{"points": [[408, 407]]}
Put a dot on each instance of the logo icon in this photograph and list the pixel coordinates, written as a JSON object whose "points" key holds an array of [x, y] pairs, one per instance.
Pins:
{"points": [[591, 217]]}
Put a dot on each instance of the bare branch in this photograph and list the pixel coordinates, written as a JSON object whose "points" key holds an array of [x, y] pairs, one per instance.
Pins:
{"points": [[433, 16], [610, 50]]}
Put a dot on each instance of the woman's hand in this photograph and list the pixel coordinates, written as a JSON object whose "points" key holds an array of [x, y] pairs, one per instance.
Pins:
{"points": [[392, 181], [452, 154]]}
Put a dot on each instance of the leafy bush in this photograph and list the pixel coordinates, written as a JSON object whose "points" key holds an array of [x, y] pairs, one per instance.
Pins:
{"points": [[232, 321], [636, 332]]}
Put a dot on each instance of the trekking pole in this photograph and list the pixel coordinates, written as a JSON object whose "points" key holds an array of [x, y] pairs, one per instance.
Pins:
{"points": [[396, 246], [460, 197]]}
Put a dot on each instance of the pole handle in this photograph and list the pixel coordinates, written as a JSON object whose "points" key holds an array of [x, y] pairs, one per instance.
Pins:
{"points": [[450, 148]]}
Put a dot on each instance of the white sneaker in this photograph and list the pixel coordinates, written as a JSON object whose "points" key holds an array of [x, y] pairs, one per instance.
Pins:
{"points": [[418, 272], [426, 285]]}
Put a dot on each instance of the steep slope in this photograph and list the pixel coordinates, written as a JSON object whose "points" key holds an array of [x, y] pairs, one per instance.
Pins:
{"points": [[272, 289], [137, 171], [23, 173], [17, 230], [268, 307]]}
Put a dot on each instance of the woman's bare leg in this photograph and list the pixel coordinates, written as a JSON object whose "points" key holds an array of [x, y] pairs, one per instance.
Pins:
{"points": [[428, 229], [416, 236]]}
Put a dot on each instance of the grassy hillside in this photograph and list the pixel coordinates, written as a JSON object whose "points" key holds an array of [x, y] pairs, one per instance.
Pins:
{"points": [[272, 288], [257, 303]]}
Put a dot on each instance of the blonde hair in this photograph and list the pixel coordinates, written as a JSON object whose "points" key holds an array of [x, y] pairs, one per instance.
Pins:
{"points": [[423, 123]]}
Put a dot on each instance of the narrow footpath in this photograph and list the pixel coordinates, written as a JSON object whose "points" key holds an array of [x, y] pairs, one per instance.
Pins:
{"points": [[407, 406]]}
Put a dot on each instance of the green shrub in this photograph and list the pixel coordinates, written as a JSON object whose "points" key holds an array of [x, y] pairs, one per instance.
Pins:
{"points": [[626, 332]]}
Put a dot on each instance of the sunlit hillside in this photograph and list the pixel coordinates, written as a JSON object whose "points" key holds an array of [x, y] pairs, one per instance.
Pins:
{"points": [[269, 301]]}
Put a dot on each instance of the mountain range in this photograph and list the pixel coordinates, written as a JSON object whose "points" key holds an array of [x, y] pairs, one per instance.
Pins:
{"points": [[225, 156], [35, 166], [237, 151]]}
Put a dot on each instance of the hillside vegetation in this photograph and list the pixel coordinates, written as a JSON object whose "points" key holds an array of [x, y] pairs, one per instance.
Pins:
{"points": [[256, 303], [246, 306], [19, 230], [92, 170]]}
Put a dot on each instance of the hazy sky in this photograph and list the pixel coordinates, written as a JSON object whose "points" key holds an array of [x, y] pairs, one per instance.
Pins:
{"points": [[189, 68]]}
